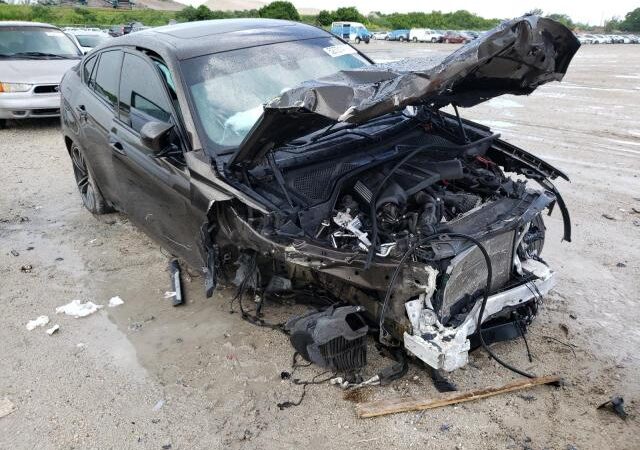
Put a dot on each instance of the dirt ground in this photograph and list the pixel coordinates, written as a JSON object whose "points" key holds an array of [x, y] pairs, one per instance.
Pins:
{"points": [[148, 375]]}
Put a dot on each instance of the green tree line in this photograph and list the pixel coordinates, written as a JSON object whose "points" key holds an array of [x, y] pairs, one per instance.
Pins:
{"points": [[376, 20], [285, 10], [59, 15], [631, 22]]}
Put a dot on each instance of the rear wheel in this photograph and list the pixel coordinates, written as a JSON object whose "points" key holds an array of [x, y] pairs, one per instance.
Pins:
{"points": [[401, 39], [415, 39], [434, 40], [92, 199]]}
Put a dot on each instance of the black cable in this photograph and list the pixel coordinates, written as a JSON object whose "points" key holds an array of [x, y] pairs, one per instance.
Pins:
{"points": [[304, 384], [485, 295], [392, 281], [524, 338], [485, 298], [253, 319], [464, 134]]}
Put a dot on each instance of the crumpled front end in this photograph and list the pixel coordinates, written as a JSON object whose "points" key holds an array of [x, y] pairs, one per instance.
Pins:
{"points": [[402, 238], [447, 348], [430, 224]]}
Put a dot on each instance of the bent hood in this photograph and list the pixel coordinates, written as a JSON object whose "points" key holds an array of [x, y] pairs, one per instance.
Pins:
{"points": [[514, 58]]}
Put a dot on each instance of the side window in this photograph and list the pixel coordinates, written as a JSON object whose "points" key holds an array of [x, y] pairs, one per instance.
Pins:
{"points": [[142, 95], [107, 76], [88, 68], [168, 80]]}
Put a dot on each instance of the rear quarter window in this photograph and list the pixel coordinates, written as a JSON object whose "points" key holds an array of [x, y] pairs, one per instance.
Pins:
{"points": [[87, 69], [107, 76]]}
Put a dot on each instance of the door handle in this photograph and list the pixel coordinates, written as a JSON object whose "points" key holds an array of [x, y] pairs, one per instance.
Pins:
{"points": [[117, 147], [82, 112]]}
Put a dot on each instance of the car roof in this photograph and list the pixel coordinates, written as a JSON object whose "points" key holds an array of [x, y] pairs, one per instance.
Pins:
{"points": [[188, 40], [86, 32], [18, 23]]}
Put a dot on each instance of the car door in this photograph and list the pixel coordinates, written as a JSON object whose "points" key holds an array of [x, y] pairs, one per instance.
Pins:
{"points": [[154, 189], [96, 108]]}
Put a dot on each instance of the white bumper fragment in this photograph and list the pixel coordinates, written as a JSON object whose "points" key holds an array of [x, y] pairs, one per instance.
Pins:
{"points": [[447, 348]]}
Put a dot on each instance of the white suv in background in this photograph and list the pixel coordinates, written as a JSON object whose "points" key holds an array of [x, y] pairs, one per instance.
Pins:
{"points": [[424, 35]]}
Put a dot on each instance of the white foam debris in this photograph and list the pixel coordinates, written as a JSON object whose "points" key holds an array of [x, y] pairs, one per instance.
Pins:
{"points": [[169, 294], [53, 329], [77, 309], [39, 322], [6, 407], [158, 405], [115, 301], [81, 345]]}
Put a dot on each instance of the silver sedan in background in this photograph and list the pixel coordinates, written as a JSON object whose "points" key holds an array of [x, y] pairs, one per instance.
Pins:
{"points": [[87, 39], [33, 59]]}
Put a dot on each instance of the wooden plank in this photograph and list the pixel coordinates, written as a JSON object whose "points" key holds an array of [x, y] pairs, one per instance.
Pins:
{"points": [[393, 406]]}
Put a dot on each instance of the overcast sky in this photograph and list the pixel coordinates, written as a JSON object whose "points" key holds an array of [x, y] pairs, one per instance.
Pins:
{"points": [[589, 11]]}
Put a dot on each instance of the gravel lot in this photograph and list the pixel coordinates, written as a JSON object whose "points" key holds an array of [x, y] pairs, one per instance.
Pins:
{"points": [[147, 375]]}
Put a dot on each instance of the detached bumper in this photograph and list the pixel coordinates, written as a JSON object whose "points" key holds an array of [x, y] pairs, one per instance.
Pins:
{"points": [[23, 105], [448, 348]]}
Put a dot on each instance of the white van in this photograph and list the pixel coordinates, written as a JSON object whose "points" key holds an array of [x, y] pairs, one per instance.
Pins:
{"points": [[424, 35], [351, 31]]}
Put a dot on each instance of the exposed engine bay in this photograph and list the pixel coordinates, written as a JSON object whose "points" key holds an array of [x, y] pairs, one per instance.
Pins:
{"points": [[394, 227], [432, 226]]}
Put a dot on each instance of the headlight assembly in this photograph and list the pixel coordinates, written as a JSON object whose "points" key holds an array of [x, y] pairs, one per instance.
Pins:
{"points": [[14, 87]]}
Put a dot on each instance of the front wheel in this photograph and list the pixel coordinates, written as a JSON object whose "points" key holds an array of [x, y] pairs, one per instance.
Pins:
{"points": [[357, 40], [434, 40], [415, 39], [92, 199]]}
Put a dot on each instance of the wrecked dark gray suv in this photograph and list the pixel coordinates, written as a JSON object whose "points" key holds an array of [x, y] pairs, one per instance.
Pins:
{"points": [[213, 139]]}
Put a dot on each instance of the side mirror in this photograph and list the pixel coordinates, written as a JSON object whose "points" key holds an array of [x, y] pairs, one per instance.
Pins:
{"points": [[155, 135]]}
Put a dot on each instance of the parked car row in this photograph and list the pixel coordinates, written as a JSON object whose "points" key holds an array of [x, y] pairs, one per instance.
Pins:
{"points": [[608, 38], [427, 35], [87, 38], [121, 30]]}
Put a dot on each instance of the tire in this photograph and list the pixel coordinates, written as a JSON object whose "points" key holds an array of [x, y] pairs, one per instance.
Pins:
{"points": [[415, 40], [3, 123], [92, 198], [357, 40], [434, 40], [386, 38]]}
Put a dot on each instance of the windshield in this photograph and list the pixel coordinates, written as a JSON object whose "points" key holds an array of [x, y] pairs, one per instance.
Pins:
{"points": [[36, 42], [90, 40], [229, 89]]}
